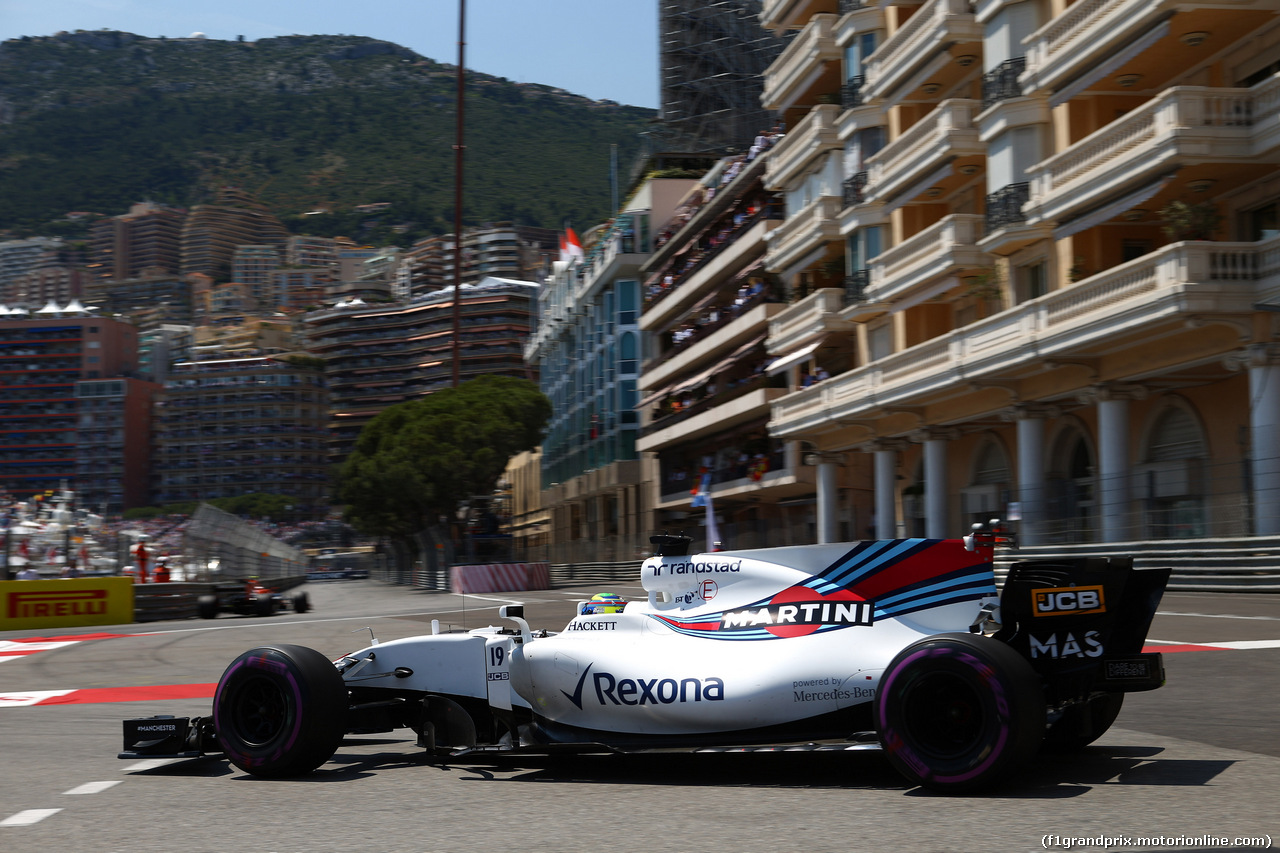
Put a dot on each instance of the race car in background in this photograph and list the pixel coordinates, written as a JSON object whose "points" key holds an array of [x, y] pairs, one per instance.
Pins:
{"points": [[249, 598], [901, 644]]}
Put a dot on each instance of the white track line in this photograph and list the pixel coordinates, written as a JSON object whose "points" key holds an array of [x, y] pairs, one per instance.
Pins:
{"points": [[1216, 615], [149, 764], [28, 817], [90, 788]]}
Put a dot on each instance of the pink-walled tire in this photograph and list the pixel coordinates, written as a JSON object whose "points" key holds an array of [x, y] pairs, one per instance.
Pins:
{"points": [[280, 710], [957, 712]]}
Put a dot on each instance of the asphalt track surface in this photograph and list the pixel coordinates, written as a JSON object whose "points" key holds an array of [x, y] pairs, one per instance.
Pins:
{"points": [[1196, 765]]}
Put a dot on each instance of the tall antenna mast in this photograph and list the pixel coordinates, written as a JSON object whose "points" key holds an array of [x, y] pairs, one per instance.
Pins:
{"points": [[458, 149]]}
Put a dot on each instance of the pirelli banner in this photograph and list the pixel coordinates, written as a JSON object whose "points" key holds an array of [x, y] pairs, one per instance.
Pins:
{"points": [[69, 603]]}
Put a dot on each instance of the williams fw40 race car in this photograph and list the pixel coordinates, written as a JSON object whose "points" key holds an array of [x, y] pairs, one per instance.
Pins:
{"points": [[903, 644]]}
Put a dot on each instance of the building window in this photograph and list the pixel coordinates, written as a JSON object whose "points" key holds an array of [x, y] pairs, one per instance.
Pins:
{"points": [[1031, 281], [1131, 250], [880, 341]]}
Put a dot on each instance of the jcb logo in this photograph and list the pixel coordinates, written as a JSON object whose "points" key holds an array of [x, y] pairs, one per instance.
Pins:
{"points": [[1060, 601]]}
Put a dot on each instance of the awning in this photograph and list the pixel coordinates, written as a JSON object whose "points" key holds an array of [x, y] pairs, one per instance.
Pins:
{"points": [[783, 362], [1116, 60], [1111, 209]]}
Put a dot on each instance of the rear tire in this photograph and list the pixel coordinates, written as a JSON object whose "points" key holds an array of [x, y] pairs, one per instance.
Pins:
{"points": [[1082, 724], [280, 710], [957, 712]]}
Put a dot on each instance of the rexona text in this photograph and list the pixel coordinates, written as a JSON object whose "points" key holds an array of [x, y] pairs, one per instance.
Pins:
{"points": [[656, 691]]}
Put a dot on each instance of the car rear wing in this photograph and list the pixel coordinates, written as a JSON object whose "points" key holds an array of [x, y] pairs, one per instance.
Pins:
{"points": [[1082, 624]]}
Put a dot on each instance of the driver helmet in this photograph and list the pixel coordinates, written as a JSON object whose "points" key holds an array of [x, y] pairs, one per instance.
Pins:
{"points": [[604, 602]]}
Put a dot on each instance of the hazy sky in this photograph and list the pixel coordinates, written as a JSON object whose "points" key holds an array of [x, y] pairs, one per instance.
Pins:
{"points": [[597, 48]]}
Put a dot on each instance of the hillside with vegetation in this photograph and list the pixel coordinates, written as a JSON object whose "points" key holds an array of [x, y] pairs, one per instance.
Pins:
{"points": [[94, 121]]}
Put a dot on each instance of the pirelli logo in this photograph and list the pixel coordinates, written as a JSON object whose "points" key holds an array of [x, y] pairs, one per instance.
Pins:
{"points": [[1068, 600], [71, 602]]}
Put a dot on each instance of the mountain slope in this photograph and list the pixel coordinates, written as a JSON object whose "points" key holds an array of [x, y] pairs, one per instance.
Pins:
{"points": [[95, 121]]}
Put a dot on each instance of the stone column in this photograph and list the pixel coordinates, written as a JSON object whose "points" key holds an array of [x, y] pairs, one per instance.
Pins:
{"points": [[1031, 479], [937, 517], [886, 472], [828, 500], [1264, 437], [935, 488], [1114, 472]]}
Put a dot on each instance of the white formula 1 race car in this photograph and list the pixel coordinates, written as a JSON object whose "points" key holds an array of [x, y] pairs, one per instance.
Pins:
{"points": [[901, 643]]}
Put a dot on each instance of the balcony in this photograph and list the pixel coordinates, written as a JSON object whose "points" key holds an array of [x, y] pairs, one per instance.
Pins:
{"points": [[1006, 224], [1004, 206], [782, 15], [715, 345], [922, 265], [808, 67], [943, 135], [1184, 126], [813, 137], [812, 317], [920, 48], [728, 259], [1154, 294], [806, 232], [780, 481], [851, 93], [1001, 83], [854, 186], [712, 420]]}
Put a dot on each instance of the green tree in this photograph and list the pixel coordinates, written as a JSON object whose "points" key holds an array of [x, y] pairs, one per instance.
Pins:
{"points": [[415, 461]]}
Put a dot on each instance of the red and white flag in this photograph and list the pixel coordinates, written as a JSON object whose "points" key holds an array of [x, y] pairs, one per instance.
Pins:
{"points": [[570, 245]]}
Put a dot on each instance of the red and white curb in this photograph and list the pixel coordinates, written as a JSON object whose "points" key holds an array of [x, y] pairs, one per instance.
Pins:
{"points": [[14, 649], [97, 695]]}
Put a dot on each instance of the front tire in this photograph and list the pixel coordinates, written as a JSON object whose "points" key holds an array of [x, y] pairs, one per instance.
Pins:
{"points": [[280, 710], [957, 712]]}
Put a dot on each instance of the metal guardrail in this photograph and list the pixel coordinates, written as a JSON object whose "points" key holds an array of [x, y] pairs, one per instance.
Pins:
{"points": [[1199, 565], [1241, 566]]}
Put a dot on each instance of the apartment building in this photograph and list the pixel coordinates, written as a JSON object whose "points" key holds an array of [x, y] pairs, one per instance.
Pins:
{"points": [[53, 432], [499, 249], [113, 443], [211, 233], [150, 299], [588, 348], [379, 355], [252, 266], [147, 238], [235, 426], [709, 381], [1057, 225], [19, 259], [161, 347]]}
